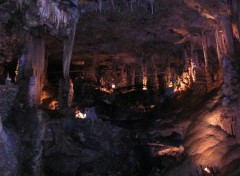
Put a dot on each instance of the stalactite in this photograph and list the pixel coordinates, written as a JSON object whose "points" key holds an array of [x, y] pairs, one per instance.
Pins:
{"points": [[19, 4], [205, 54], [228, 34], [100, 4], [113, 4], [49, 11], [152, 5], [67, 52], [37, 55], [131, 5]]}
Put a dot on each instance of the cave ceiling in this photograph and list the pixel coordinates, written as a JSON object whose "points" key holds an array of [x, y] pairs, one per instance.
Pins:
{"points": [[121, 30]]}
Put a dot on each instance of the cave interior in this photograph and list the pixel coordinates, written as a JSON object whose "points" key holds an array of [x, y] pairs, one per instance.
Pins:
{"points": [[119, 87]]}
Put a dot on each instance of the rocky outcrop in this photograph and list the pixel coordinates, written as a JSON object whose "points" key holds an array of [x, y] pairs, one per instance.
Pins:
{"points": [[210, 140], [87, 146]]}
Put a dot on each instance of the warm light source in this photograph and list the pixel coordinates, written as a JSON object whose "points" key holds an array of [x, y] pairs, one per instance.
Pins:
{"points": [[207, 170], [113, 86], [80, 115]]}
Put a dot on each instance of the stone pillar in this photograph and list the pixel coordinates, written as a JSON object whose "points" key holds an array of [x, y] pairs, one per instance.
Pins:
{"points": [[231, 84], [66, 92], [194, 58], [205, 48], [219, 47]]}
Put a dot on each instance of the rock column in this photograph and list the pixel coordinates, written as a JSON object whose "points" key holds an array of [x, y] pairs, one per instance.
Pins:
{"points": [[219, 47], [231, 82], [205, 48]]}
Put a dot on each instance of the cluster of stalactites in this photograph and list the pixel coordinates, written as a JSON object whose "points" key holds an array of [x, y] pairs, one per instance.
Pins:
{"points": [[50, 11]]}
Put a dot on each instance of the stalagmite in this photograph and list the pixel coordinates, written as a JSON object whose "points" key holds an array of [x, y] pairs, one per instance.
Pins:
{"points": [[228, 34], [205, 48], [67, 52]]}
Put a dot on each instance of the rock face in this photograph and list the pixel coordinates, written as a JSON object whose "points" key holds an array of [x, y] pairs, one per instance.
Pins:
{"points": [[210, 141], [9, 141], [83, 147]]}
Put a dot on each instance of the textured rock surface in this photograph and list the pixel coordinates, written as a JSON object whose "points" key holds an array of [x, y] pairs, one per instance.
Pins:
{"points": [[75, 146], [8, 95], [210, 140], [9, 141]]}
